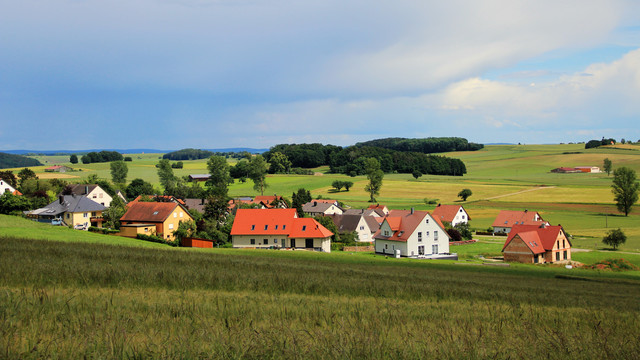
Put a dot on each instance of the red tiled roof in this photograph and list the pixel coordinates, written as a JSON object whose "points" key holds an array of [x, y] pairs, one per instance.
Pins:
{"points": [[308, 228], [446, 212], [149, 211], [17, 193], [277, 222], [254, 221], [545, 236], [403, 223], [508, 218]]}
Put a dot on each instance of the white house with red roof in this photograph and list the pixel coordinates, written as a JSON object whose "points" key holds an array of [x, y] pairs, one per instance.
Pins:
{"points": [[537, 244], [5, 187], [454, 214], [506, 219], [278, 228], [413, 234]]}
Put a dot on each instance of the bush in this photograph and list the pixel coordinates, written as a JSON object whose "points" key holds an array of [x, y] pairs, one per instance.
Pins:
{"points": [[157, 239], [128, 158], [105, 231], [454, 234]]}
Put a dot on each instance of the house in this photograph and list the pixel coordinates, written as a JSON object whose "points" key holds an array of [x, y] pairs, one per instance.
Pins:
{"points": [[278, 228], [271, 202], [195, 204], [356, 223], [314, 208], [565, 170], [92, 191], [199, 177], [454, 214], [537, 244], [58, 168], [5, 187], [379, 207], [588, 169], [78, 211], [378, 213], [506, 219], [153, 218], [413, 234]]}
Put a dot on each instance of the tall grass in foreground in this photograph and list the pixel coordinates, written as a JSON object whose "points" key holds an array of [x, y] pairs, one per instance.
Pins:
{"points": [[87, 300]]}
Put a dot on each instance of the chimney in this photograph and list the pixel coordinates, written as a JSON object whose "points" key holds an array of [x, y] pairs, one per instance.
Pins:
{"points": [[202, 201], [61, 198], [86, 189], [412, 210], [315, 203]]}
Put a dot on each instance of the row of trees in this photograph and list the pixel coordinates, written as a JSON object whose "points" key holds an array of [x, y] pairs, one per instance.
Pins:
{"points": [[100, 157], [426, 145]]}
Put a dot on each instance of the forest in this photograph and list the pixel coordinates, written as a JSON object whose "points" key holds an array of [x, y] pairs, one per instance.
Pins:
{"points": [[14, 161], [426, 145]]}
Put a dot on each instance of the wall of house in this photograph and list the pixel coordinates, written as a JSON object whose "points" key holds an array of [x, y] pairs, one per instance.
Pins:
{"points": [[100, 196], [244, 241], [461, 217], [363, 231], [389, 247], [501, 229], [321, 243], [559, 248], [4, 187], [428, 230], [171, 223], [133, 231], [518, 251], [79, 218]]}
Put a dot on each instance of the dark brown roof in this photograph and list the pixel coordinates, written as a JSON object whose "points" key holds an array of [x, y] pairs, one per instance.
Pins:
{"points": [[149, 211]]}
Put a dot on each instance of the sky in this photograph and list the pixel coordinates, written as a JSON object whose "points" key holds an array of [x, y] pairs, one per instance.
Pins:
{"points": [[173, 74]]}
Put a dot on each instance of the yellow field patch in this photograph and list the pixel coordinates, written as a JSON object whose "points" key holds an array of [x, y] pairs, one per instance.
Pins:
{"points": [[56, 175]]}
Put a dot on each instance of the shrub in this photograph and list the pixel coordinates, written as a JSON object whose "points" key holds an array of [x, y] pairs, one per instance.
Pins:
{"points": [[105, 231], [157, 239], [454, 234]]}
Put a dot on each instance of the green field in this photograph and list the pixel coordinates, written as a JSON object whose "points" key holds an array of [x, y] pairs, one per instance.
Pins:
{"points": [[76, 296]]}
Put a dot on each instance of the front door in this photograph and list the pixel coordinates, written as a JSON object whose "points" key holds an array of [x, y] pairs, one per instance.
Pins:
{"points": [[293, 243], [308, 243]]}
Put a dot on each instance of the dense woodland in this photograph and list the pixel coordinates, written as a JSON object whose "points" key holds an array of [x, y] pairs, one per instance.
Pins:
{"points": [[102, 156], [350, 160], [14, 161], [427, 145]]}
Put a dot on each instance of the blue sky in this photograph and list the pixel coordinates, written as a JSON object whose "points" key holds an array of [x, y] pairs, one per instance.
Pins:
{"points": [[172, 74]]}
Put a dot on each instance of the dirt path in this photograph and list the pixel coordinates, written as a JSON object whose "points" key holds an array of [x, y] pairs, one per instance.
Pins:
{"points": [[520, 192]]}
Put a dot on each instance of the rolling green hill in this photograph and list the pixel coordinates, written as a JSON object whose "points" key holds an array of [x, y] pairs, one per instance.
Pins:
{"points": [[16, 161]]}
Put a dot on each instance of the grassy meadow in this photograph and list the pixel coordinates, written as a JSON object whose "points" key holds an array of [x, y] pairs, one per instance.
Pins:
{"points": [[83, 298]]}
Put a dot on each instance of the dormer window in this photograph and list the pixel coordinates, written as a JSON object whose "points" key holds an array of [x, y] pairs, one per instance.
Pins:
{"points": [[155, 213], [266, 227], [284, 227], [276, 227], [253, 227], [304, 227]]}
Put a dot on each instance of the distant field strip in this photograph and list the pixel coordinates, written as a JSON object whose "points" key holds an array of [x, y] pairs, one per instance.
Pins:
{"points": [[520, 192]]}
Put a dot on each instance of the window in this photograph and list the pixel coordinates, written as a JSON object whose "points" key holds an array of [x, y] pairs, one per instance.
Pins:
{"points": [[94, 196], [276, 227], [86, 215], [93, 213], [421, 250], [463, 217], [266, 241], [181, 213], [558, 256], [564, 245], [275, 241], [434, 249], [435, 236], [386, 233], [252, 241], [253, 227], [304, 227], [175, 215], [535, 259], [565, 254], [100, 196], [427, 234], [427, 221], [266, 227], [170, 226], [284, 227], [361, 227], [386, 246], [68, 216], [419, 236]]}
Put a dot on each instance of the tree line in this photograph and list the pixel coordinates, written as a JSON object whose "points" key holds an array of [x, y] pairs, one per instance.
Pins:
{"points": [[14, 161], [351, 160], [425, 145], [100, 157]]}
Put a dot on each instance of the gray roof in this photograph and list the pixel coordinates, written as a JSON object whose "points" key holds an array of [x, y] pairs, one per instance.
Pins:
{"points": [[365, 212], [374, 225], [195, 204], [316, 207], [346, 223], [81, 189], [70, 203]]}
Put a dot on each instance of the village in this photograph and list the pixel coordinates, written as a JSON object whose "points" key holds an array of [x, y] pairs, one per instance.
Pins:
{"points": [[267, 222]]}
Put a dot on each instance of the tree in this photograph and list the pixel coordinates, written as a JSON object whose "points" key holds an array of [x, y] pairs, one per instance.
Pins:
{"points": [[299, 198], [138, 187], [606, 166], [113, 213], [26, 174], [258, 173], [219, 177], [625, 189], [167, 179], [464, 194], [185, 229], [347, 185], [119, 171], [9, 177], [73, 159], [337, 185], [416, 174], [279, 163], [615, 238], [375, 176]]}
